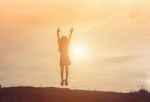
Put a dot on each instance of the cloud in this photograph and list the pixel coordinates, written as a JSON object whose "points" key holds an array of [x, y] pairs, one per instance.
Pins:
{"points": [[120, 58], [37, 13]]}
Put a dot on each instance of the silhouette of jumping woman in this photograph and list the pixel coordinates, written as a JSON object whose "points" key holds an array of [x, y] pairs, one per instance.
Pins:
{"points": [[63, 43]]}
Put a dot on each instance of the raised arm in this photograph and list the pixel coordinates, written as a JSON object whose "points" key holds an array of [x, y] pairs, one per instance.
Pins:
{"points": [[58, 36], [71, 30]]}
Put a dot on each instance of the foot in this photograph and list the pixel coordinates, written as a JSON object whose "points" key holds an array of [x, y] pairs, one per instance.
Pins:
{"points": [[62, 83], [66, 82]]}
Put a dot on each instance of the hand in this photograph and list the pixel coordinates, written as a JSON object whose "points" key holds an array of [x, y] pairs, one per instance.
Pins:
{"points": [[58, 30], [71, 30]]}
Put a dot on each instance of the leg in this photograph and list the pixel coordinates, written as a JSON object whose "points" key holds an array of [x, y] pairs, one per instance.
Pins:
{"points": [[62, 74], [67, 72]]}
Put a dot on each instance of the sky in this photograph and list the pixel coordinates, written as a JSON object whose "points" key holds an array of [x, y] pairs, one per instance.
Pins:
{"points": [[114, 34]]}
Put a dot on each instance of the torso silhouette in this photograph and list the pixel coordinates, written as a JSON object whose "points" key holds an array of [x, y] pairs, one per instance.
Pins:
{"points": [[63, 46], [63, 50]]}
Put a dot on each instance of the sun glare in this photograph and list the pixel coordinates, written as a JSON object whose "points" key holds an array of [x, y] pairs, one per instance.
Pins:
{"points": [[79, 52]]}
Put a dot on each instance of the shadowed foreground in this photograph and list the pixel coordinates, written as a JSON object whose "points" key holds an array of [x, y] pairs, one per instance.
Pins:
{"points": [[32, 94]]}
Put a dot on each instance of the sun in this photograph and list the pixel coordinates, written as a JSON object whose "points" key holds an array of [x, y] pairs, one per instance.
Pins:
{"points": [[79, 51]]}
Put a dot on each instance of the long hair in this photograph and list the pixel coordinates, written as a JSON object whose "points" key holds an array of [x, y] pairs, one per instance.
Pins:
{"points": [[64, 39], [63, 44]]}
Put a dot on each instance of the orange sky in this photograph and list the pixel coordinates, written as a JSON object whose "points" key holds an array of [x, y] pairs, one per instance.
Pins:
{"points": [[115, 31]]}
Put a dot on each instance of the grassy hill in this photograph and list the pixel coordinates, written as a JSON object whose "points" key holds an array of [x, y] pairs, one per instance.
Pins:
{"points": [[32, 94]]}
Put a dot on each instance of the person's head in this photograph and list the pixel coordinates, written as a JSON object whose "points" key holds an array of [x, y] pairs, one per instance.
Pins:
{"points": [[64, 39]]}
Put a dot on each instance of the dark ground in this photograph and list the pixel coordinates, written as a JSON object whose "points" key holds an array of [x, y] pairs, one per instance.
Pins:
{"points": [[32, 94]]}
